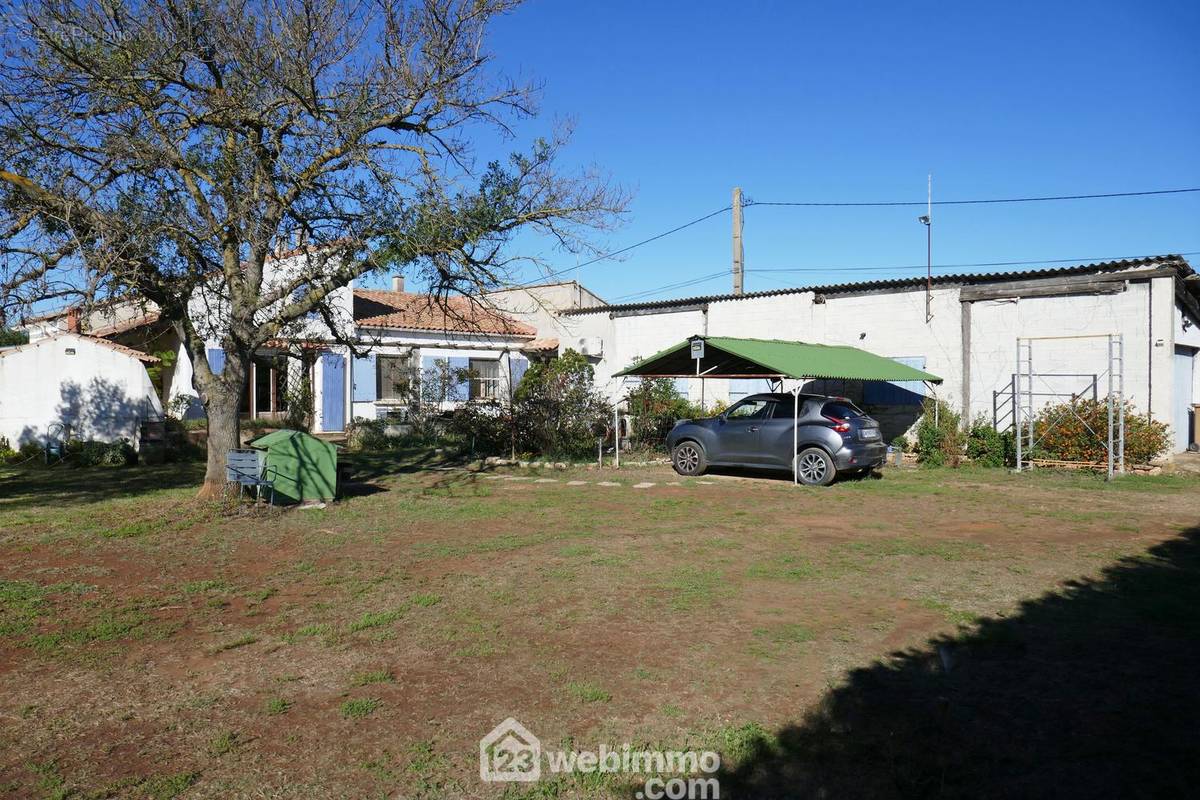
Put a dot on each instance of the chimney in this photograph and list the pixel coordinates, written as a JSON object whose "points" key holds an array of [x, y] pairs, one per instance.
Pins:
{"points": [[72, 320], [398, 283]]}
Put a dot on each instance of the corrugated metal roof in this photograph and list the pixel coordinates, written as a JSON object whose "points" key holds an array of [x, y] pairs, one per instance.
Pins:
{"points": [[905, 283], [732, 357]]}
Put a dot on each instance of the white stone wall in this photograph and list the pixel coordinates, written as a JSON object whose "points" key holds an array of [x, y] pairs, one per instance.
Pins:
{"points": [[96, 392], [540, 306], [893, 324]]}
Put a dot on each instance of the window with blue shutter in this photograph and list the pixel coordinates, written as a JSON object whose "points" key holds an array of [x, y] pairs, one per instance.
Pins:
{"points": [[681, 387], [364, 379], [459, 378], [896, 393], [216, 360], [517, 366]]}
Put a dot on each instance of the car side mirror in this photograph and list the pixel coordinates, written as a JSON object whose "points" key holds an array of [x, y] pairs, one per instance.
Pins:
{"points": [[722, 418]]}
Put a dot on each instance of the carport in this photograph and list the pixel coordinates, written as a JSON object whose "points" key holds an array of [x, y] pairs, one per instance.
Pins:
{"points": [[726, 357]]}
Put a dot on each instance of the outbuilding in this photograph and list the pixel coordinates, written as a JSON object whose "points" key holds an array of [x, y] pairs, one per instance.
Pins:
{"points": [[71, 386], [1000, 340]]}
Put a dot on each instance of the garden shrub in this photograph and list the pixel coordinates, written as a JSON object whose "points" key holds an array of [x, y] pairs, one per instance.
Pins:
{"points": [[101, 454], [988, 447], [557, 408], [12, 338], [656, 406], [939, 442], [30, 451], [481, 428], [1062, 432]]}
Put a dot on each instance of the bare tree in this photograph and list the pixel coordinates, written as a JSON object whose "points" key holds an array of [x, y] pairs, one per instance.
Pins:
{"points": [[165, 151]]}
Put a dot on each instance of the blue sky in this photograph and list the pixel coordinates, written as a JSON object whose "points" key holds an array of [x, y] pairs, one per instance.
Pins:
{"points": [[681, 101]]}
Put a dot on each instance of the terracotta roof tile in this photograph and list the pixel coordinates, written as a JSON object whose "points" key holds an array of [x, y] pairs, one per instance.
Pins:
{"points": [[422, 312]]}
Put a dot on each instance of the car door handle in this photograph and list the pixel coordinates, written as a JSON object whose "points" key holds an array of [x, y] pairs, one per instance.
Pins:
{"points": [[753, 428]]}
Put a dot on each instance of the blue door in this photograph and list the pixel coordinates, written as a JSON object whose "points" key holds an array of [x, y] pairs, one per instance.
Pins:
{"points": [[333, 392], [1185, 360]]}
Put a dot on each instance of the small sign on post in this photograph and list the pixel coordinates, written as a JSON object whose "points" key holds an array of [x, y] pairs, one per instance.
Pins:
{"points": [[697, 349]]}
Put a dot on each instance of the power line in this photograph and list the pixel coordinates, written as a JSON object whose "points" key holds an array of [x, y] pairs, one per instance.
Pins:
{"points": [[974, 202], [1081, 260], [626, 249], [751, 202], [668, 287]]}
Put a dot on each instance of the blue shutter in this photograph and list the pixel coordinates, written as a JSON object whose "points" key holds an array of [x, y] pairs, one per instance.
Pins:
{"points": [[681, 387], [517, 367], [462, 388], [216, 360], [333, 388], [896, 393], [364, 379]]}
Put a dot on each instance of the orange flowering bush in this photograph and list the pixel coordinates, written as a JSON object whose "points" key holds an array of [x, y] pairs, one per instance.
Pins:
{"points": [[1078, 431]]}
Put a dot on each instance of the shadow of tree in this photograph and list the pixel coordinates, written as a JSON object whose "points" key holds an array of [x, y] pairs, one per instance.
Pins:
{"points": [[67, 486], [782, 475], [1089, 691], [368, 466], [101, 410]]}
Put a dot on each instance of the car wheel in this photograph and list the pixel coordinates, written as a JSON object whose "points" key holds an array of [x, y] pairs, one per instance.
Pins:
{"points": [[688, 459], [814, 467]]}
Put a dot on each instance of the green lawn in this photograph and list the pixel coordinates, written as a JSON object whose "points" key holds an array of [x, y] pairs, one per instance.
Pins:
{"points": [[935, 632]]}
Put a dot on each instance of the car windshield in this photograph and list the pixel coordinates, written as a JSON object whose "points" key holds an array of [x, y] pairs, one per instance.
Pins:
{"points": [[748, 409], [842, 409]]}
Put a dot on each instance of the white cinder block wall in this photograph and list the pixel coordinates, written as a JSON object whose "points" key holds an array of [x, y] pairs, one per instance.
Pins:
{"points": [[892, 323]]}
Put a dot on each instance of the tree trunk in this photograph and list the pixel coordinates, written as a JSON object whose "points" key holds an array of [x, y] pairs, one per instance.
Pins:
{"points": [[221, 402]]}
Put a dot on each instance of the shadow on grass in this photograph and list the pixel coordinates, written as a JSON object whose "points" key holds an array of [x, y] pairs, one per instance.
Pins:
{"points": [[1089, 691], [368, 466], [63, 485], [785, 476]]}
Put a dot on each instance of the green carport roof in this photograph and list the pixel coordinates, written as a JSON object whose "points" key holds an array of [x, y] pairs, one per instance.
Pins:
{"points": [[726, 357]]}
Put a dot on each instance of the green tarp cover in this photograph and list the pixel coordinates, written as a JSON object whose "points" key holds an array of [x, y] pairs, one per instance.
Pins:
{"points": [[726, 357], [302, 466]]}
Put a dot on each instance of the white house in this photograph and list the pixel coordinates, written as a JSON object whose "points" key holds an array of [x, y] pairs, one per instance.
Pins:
{"points": [[71, 386], [1153, 304], [402, 336]]}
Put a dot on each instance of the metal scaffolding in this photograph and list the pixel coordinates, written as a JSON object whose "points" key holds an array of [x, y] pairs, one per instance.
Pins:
{"points": [[1024, 412]]}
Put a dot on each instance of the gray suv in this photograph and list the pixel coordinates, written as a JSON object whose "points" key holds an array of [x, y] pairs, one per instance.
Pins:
{"points": [[833, 436]]}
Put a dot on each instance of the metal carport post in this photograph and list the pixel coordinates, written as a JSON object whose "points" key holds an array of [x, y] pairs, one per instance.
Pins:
{"points": [[796, 433]]}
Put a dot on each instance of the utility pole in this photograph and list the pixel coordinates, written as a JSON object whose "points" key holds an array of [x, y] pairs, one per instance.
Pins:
{"points": [[738, 269], [927, 221]]}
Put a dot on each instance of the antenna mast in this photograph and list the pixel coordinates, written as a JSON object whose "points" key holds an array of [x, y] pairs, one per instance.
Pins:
{"points": [[927, 221], [738, 268]]}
